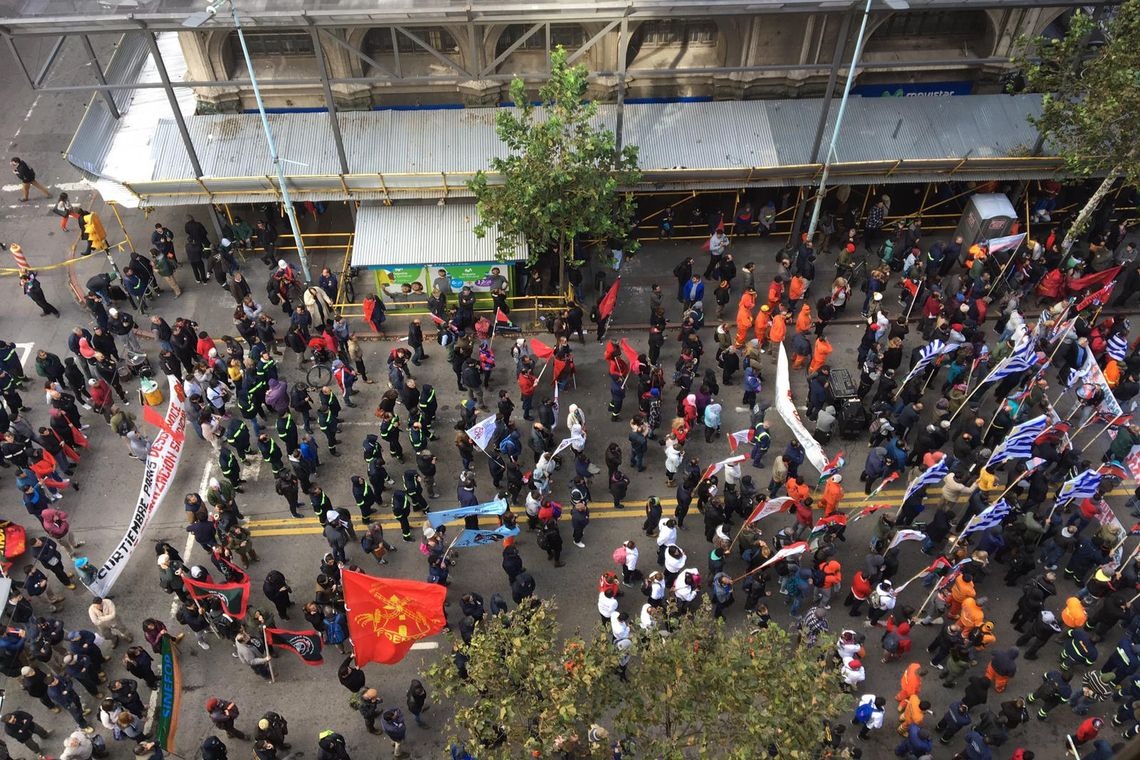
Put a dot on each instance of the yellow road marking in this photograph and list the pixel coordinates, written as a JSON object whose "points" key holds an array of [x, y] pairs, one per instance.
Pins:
{"points": [[291, 526]]}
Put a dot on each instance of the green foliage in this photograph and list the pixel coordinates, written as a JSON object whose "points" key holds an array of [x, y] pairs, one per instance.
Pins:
{"points": [[706, 690], [711, 690], [563, 174], [538, 690], [1091, 96]]}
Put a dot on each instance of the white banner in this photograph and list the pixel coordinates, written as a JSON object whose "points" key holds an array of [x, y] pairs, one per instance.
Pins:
{"points": [[791, 416], [158, 474], [999, 244], [482, 431]]}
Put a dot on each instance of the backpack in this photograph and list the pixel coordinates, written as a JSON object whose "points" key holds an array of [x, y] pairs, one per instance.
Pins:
{"points": [[864, 712], [619, 555]]}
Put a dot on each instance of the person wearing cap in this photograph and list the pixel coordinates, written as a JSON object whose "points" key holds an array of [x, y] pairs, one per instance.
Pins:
{"points": [[337, 533], [331, 746], [274, 729]]}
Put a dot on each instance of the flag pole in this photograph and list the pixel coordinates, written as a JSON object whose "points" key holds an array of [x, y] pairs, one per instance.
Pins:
{"points": [[268, 654], [1085, 424], [1106, 427], [545, 364]]}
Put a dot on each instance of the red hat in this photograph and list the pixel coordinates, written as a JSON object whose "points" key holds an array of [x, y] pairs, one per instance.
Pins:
{"points": [[212, 704], [855, 664]]}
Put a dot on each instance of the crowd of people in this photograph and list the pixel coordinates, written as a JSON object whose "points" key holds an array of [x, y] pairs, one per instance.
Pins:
{"points": [[1063, 555]]}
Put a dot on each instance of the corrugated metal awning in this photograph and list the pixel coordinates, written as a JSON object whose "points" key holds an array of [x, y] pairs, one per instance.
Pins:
{"points": [[414, 234]]}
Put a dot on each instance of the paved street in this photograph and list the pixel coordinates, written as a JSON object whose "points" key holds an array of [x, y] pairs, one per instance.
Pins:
{"points": [[310, 698]]}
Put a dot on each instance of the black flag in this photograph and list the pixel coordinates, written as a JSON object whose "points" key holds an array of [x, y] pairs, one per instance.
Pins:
{"points": [[307, 644]]}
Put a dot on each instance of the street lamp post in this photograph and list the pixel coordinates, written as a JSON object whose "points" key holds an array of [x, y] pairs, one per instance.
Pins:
{"points": [[197, 20], [897, 5]]}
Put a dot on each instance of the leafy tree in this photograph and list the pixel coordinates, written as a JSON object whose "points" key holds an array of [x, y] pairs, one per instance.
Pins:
{"points": [[1090, 100], [705, 690], [711, 690], [526, 688], [563, 175]]}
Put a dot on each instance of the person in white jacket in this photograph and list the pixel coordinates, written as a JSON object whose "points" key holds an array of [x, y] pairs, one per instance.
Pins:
{"points": [[875, 709], [630, 565], [657, 588], [853, 674], [666, 535], [607, 605], [674, 455], [686, 587], [77, 746], [675, 560], [319, 306], [105, 618]]}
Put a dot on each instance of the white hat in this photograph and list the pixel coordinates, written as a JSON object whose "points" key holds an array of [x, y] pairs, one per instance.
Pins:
{"points": [[332, 515], [281, 264], [878, 297], [836, 478], [113, 312]]}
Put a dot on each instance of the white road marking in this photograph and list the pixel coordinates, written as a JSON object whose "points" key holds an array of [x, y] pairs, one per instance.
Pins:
{"points": [[25, 351], [150, 711], [67, 187], [27, 118], [426, 645]]}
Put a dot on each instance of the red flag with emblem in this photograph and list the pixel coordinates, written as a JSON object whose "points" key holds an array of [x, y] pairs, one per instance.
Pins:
{"points": [[387, 615]]}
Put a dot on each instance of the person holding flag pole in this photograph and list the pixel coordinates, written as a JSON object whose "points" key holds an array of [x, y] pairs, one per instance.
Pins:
{"points": [[1111, 422], [268, 654]]}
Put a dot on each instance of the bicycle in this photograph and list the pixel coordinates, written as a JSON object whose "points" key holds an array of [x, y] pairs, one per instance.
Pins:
{"points": [[347, 277], [320, 374]]}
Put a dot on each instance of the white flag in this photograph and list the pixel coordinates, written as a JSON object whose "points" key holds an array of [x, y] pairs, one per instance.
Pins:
{"points": [[906, 535], [791, 550], [482, 431], [565, 443]]}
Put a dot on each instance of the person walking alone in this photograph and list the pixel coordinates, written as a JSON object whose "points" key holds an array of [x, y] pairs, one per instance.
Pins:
{"points": [[27, 177], [34, 291]]}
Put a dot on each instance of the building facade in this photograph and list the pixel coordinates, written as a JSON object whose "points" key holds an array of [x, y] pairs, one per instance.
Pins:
{"points": [[719, 57]]}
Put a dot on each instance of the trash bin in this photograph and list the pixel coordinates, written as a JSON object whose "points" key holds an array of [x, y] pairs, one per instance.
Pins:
{"points": [[151, 392]]}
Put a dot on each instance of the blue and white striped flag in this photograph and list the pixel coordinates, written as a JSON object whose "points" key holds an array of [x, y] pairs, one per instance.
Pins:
{"points": [[1019, 443], [926, 357], [990, 517], [1023, 357], [1081, 487], [932, 476]]}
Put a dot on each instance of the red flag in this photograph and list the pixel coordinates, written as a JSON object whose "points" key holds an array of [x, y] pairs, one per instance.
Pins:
{"points": [[501, 318], [719, 228], [386, 616], [151, 415], [871, 509], [440, 321], [540, 349], [609, 300], [1096, 278], [1099, 297], [559, 365], [631, 355]]}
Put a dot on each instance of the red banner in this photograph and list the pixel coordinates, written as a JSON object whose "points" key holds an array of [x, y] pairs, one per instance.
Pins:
{"points": [[386, 616]]}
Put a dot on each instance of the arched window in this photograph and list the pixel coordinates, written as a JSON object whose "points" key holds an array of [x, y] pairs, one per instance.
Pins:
{"points": [[378, 41], [569, 36], [964, 30]]}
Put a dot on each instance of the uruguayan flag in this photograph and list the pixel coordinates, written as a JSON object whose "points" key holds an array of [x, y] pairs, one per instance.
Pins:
{"points": [[1019, 443], [932, 476], [1081, 487], [1023, 357], [990, 517]]}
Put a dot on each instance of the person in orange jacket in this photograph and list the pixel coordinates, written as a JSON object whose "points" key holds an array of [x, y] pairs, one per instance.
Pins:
{"points": [[1074, 615], [832, 495], [775, 293], [797, 489], [911, 712], [832, 578], [962, 589], [804, 320], [744, 315], [760, 327], [971, 616], [910, 684], [819, 355], [797, 288], [777, 332]]}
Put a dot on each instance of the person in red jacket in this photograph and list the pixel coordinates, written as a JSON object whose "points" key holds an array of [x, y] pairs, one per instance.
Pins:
{"points": [[1087, 731], [527, 384], [58, 526], [858, 593]]}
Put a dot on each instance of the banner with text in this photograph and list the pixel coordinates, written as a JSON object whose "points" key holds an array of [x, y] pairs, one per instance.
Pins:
{"points": [[158, 474], [791, 416]]}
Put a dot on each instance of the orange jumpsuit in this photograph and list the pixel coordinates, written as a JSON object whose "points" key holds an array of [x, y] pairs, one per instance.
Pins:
{"points": [[744, 316], [832, 495], [998, 680], [775, 294], [804, 320], [959, 592], [910, 684], [909, 713], [819, 355], [798, 490], [760, 328], [796, 288], [971, 616], [778, 331]]}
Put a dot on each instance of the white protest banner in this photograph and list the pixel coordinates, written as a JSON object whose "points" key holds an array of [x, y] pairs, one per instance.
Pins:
{"points": [[482, 431], [787, 409], [158, 473]]}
